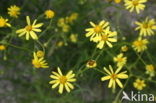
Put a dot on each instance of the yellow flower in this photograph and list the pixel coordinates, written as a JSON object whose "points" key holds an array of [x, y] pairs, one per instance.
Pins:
{"points": [[61, 22], [150, 70], [2, 47], [117, 1], [59, 43], [40, 53], [73, 38], [96, 30], [120, 60], [114, 77], [30, 29], [140, 44], [49, 14], [91, 64], [14, 11], [72, 17], [106, 38], [65, 28], [136, 5], [139, 84], [63, 81], [39, 62], [146, 27], [4, 22], [124, 48]]}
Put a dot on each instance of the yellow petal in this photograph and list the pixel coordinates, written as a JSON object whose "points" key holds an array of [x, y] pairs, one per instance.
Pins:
{"points": [[61, 88], [119, 83], [105, 78]]}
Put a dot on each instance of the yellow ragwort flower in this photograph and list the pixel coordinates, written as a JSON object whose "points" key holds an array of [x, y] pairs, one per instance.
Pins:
{"points": [[4, 22], [72, 17], [73, 38], [120, 60], [106, 38], [2, 47], [59, 43], [150, 70], [49, 14], [40, 53], [139, 84], [124, 48], [136, 5], [96, 30], [114, 77], [91, 64], [14, 11], [63, 81], [39, 62], [30, 29], [140, 44], [146, 27]]}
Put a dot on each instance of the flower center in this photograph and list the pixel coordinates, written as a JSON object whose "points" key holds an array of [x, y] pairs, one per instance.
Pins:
{"points": [[36, 64], [119, 59], [135, 2], [113, 76], [98, 29], [104, 37], [28, 27], [138, 43], [63, 79], [2, 22], [91, 62]]}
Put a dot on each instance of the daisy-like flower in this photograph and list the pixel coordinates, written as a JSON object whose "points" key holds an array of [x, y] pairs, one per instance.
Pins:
{"points": [[146, 27], [124, 48], [106, 38], [120, 60], [30, 29], [2, 47], [140, 44], [49, 14], [114, 77], [40, 53], [139, 84], [116, 1], [4, 22], [73, 38], [39, 62], [96, 30], [150, 70], [136, 5], [63, 81], [91, 64], [14, 11]]}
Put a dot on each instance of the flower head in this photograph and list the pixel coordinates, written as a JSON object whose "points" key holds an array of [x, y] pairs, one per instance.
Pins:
{"points": [[2, 47], [63, 81], [140, 44], [4, 22], [14, 11], [39, 62], [73, 38], [49, 14], [91, 64], [30, 29], [120, 60], [96, 30], [114, 77], [40, 53], [146, 27], [136, 5], [139, 84], [106, 38], [150, 70], [124, 48]]}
